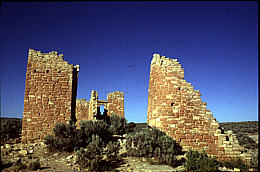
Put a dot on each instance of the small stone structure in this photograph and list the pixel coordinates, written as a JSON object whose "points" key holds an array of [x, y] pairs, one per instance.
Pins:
{"points": [[88, 110], [50, 96], [176, 108]]}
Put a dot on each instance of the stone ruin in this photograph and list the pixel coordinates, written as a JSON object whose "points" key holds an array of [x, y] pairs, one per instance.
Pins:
{"points": [[176, 108], [173, 104], [88, 110], [50, 96]]}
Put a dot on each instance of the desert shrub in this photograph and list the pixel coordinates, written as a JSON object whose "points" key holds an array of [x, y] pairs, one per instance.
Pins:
{"points": [[197, 161], [34, 165], [112, 151], [30, 156], [95, 136], [91, 157], [140, 144], [246, 141], [64, 138], [254, 161], [150, 142], [166, 147], [235, 163], [116, 124], [67, 138], [130, 127], [98, 127], [10, 129], [5, 164], [20, 166]]}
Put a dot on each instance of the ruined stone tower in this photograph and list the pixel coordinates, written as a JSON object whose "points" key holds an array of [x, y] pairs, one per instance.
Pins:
{"points": [[50, 94], [176, 108], [88, 110]]}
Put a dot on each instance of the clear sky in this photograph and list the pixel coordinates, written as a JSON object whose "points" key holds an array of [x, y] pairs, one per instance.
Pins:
{"points": [[113, 42]]}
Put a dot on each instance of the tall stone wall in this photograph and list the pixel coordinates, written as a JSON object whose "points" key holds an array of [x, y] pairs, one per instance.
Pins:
{"points": [[82, 110], [93, 105], [50, 90], [116, 103], [176, 108]]}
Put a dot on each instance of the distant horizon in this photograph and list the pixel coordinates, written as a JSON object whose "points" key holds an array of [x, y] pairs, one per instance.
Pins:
{"points": [[136, 122]]}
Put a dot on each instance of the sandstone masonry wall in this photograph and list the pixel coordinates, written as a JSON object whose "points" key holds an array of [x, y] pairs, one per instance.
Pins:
{"points": [[50, 86], [116, 103], [88, 110], [82, 110], [93, 105], [176, 108]]}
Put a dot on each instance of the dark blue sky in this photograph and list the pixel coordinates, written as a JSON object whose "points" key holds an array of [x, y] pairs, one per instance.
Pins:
{"points": [[113, 42]]}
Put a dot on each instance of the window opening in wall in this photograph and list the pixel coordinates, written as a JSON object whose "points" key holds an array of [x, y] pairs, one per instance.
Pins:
{"points": [[59, 71], [102, 109], [39, 114], [172, 104], [34, 71], [179, 88], [47, 71], [227, 138], [221, 129]]}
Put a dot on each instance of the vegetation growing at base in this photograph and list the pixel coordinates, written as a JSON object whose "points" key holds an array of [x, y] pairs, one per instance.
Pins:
{"points": [[150, 142], [196, 161], [235, 163], [200, 161], [98, 148], [10, 128], [95, 143]]}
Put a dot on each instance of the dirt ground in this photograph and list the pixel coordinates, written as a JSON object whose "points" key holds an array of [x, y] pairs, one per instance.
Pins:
{"points": [[66, 162]]}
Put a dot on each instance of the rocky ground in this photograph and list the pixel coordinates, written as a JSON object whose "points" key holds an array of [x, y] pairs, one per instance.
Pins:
{"points": [[15, 153]]}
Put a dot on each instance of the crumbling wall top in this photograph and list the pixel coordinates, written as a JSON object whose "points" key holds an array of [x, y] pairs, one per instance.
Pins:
{"points": [[170, 67]]}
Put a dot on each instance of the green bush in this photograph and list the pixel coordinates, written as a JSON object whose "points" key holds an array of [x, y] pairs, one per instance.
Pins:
{"points": [[254, 161], [246, 141], [5, 164], [67, 138], [98, 127], [140, 144], [96, 136], [112, 151], [64, 138], [235, 163], [150, 142], [116, 124], [34, 165], [10, 128], [91, 157], [130, 127], [196, 161]]}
